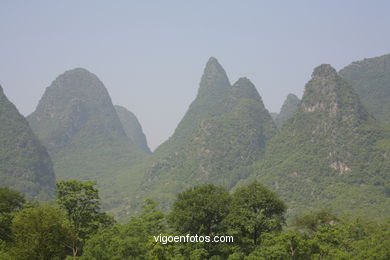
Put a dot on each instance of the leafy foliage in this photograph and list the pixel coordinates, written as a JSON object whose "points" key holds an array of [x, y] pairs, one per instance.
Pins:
{"points": [[131, 240], [255, 210], [41, 232], [200, 210], [47, 231], [10, 203], [80, 200]]}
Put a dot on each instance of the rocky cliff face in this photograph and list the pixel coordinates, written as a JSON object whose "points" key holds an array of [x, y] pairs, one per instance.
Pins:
{"points": [[371, 80], [24, 162]]}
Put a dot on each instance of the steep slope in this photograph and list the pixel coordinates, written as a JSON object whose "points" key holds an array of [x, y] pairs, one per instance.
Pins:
{"points": [[225, 128], [371, 80], [77, 122], [289, 107], [331, 153], [25, 164], [133, 128]]}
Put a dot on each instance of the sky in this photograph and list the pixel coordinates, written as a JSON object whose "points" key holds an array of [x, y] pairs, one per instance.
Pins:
{"points": [[151, 54]]}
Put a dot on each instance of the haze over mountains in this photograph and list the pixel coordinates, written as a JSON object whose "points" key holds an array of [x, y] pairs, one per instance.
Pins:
{"points": [[226, 127], [329, 149], [76, 120]]}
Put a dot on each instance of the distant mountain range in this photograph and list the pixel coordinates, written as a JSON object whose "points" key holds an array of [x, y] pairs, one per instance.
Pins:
{"points": [[330, 149]]}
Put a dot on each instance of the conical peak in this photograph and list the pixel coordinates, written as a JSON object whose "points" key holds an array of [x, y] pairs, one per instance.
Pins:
{"points": [[78, 83], [290, 104], [79, 70], [328, 92], [325, 80], [244, 88], [80, 74], [292, 97], [243, 81], [214, 79], [324, 70], [1, 89], [213, 67]]}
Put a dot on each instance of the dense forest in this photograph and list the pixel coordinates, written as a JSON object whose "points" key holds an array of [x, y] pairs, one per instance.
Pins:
{"points": [[73, 227]]}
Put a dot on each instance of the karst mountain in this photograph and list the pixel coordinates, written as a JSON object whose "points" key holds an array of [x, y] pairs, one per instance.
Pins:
{"points": [[331, 153]]}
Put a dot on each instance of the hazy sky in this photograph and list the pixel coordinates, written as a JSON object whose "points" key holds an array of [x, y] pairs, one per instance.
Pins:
{"points": [[150, 54]]}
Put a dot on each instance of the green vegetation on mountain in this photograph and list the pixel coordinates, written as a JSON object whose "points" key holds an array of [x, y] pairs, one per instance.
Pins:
{"points": [[133, 128], [225, 129], [288, 109], [331, 153], [24, 163], [371, 80], [77, 122]]}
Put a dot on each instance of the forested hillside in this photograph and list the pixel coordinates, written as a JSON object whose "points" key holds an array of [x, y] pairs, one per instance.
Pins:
{"points": [[24, 162], [371, 80], [225, 129], [77, 122], [331, 153]]}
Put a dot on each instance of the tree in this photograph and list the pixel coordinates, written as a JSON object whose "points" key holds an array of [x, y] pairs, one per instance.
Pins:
{"points": [[81, 202], [10, 202], [200, 210], [41, 233], [313, 221], [286, 245], [153, 219], [133, 240], [255, 210]]}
